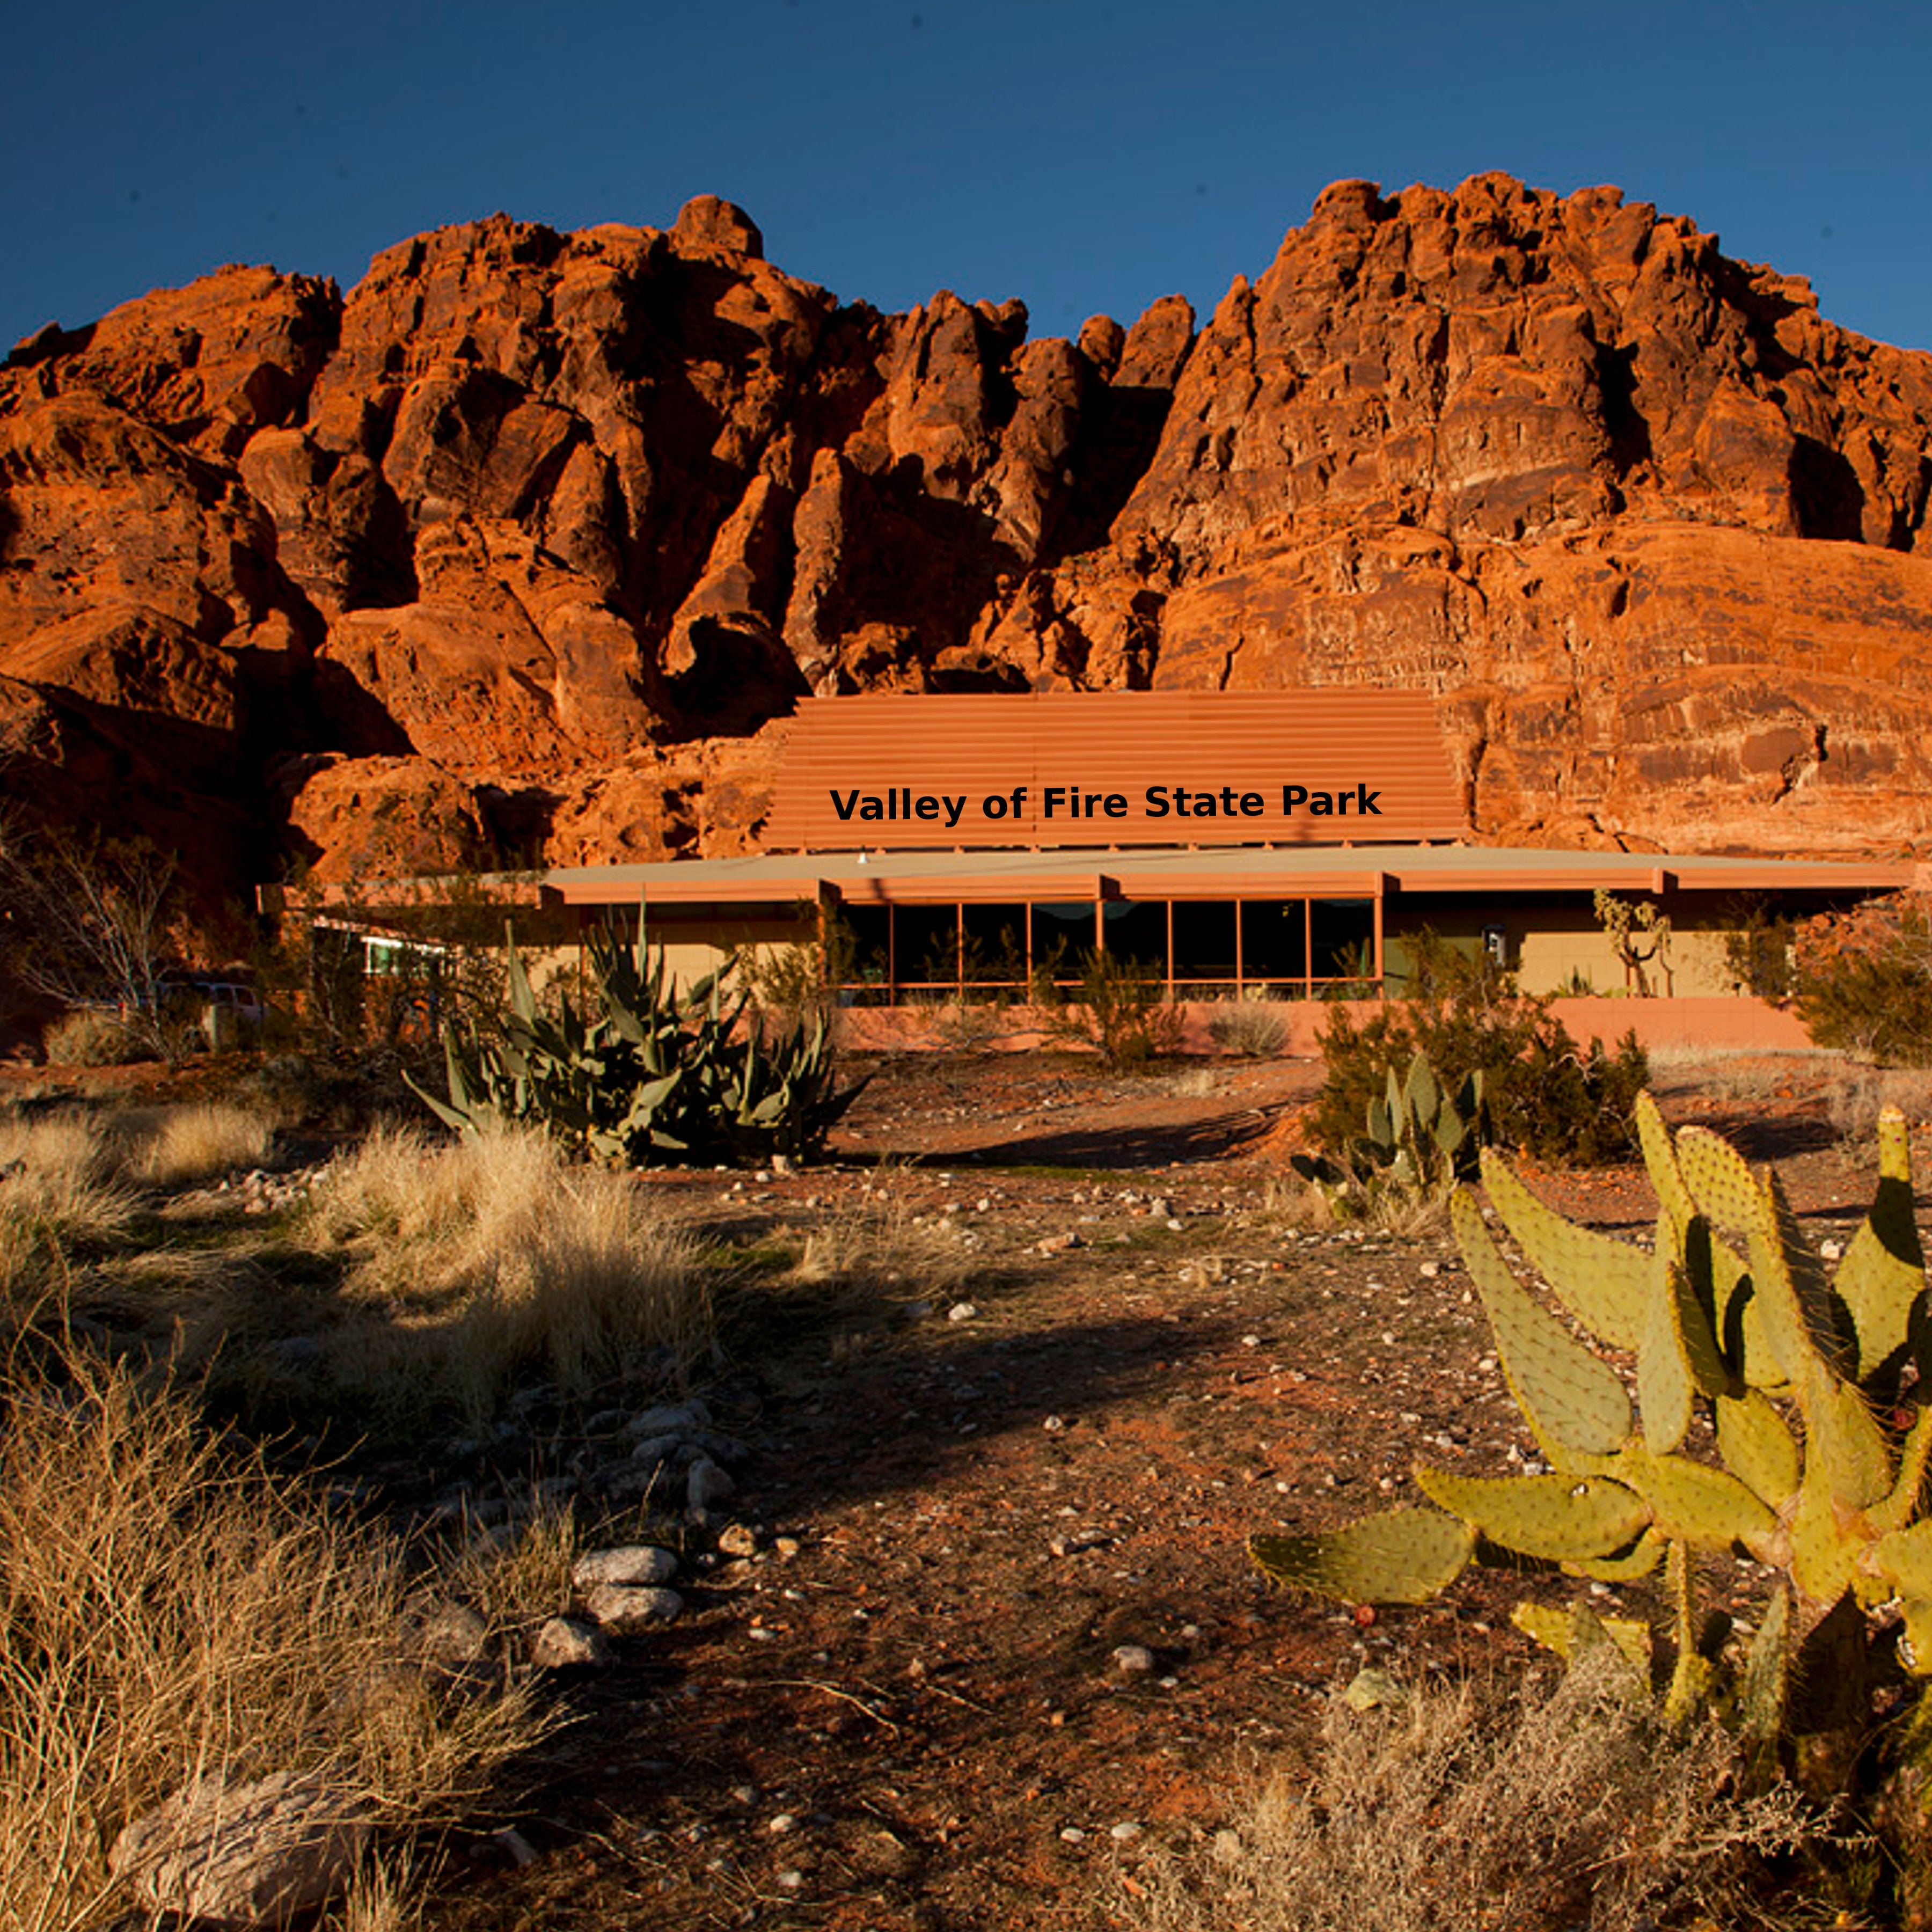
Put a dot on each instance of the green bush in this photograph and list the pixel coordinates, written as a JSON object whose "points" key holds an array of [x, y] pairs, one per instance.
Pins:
{"points": [[1863, 979], [1120, 1009], [1542, 1092]]}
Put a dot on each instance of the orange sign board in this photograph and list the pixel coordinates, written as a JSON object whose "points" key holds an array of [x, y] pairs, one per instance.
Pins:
{"points": [[1114, 768]]}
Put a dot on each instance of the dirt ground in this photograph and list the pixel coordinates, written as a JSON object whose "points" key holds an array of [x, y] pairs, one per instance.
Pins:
{"points": [[1011, 1647]]}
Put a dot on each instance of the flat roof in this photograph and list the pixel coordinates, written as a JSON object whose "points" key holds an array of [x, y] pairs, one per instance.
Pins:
{"points": [[1181, 872]]}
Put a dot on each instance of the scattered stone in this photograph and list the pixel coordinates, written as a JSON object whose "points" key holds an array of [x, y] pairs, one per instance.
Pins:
{"points": [[1059, 1244], [1125, 1832], [624, 1609], [634, 1563], [567, 1643], [1053, 1424], [454, 1636], [735, 1539], [961, 1311], [1372, 1689], [788, 1547], [671, 1419], [706, 1486], [783, 1823], [243, 1854], [519, 1850], [1133, 1660], [1161, 1208]]}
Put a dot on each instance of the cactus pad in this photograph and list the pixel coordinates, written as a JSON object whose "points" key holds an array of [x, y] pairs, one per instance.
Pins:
{"points": [[1401, 1556], [1882, 1275], [1693, 1505], [1572, 1632], [1758, 1448], [1605, 1283], [1559, 1517], [1720, 1181], [1575, 1404]]}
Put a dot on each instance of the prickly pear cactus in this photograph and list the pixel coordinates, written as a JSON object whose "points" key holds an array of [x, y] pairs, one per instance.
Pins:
{"points": [[1418, 1138], [1817, 1384]]}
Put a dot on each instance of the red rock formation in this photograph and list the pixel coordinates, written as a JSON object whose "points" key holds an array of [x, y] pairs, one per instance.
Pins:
{"points": [[515, 549]]}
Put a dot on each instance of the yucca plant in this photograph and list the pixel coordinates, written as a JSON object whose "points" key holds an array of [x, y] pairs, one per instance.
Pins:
{"points": [[1814, 1382]]}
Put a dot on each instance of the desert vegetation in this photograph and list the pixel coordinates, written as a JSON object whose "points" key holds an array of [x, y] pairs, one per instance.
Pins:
{"points": [[354, 1411]]}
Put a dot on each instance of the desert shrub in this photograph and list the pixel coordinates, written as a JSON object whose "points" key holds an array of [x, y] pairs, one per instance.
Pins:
{"points": [[185, 1145], [168, 1610], [86, 1039], [1247, 1028], [1120, 1008], [1542, 1092], [1863, 979], [1451, 1807], [1758, 951], [491, 1258]]}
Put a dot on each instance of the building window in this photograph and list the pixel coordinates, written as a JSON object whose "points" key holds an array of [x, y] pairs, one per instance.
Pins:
{"points": [[1062, 937], [1342, 943], [1206, 941], [1274, 947], [995, 945], [925, 946], [1134, 932]]}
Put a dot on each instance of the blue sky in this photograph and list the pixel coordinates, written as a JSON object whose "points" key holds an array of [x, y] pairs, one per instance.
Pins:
{"points": [[1081, 155]]}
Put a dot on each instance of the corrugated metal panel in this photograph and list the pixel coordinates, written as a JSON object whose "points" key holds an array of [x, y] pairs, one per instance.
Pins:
{"points": [[892, 772]]}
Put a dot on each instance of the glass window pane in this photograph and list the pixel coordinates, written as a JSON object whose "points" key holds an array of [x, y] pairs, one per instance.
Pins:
{"points": [[925, 945], [1204, 939], [863, 936], [995, 945], [1136, 931], [1274, 939], [1342, 938], [1062, 937]]}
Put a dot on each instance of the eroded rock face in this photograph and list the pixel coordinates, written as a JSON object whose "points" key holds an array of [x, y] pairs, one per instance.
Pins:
{"points": [[523, 548]]}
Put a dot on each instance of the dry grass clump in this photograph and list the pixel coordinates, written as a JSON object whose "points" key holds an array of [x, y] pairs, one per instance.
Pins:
{"points": [[1568, 1808], [493, 1256], [181, 1147], [58, 1193], [170, 1610], [92, 1040], [1854, 1101], [1248, 1028], [873, 1249]]}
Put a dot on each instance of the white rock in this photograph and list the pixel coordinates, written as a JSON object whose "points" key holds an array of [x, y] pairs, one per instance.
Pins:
{"points": [[624, 1609], [632, 1563], [243, 1854], [706, 1486], [565, 1643], [1133, 1660], [961, 1311]]}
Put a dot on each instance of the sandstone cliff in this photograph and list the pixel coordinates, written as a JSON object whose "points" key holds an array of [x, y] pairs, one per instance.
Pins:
{"points": [[523, 547]]}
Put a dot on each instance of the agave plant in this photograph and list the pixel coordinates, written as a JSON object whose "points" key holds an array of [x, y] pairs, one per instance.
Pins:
{"points": [[654, 1073], [1814, 1383]]}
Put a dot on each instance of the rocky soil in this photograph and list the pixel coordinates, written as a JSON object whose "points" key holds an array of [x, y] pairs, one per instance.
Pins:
{"points": [[975, 1637], [527, 544]]}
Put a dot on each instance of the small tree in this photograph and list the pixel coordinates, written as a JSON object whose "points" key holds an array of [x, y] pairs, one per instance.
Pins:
{"points": [[89, 921], [1629, 925]]}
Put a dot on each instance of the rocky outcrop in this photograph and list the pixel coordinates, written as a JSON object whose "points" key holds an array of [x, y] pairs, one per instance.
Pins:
{"points": [[525, 548]]}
